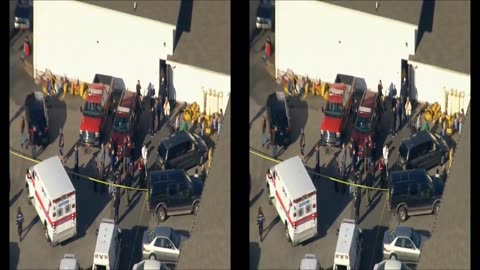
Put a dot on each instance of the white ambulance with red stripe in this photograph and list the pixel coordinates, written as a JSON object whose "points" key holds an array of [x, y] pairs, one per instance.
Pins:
{"points": [[52, 194], [292, 191]]}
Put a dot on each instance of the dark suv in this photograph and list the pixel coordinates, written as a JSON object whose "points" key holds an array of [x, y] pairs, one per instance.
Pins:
{"points": [[279, 118], [181, 150], [172, 192], [413, 192], [36, 115], [422, 150]]}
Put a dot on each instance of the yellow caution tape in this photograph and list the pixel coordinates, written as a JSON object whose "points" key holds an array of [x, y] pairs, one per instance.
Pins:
{"points": [[261, 155], [16, 153]]}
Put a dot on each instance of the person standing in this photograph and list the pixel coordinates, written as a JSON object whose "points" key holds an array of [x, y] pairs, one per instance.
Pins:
{"points": [[220, 121], [461, 120], [264, 131], [317, 161], [358, 201], [166, 110], [273, 142], [177, 122], [202, 126], [184, 126], [399, 112], [394, 119], [26, 49], [159, 108], [426, 126], [381, 171], [196, 176], [268, 50], [22, 132], [144, 154], [139, 88], [152, 127], [408, 110], [124, 154], [260, 220], [380, 95], [302, 145], [444, 126], [61, 144], [203, 173], [128, 153], [19, 222], [76, 169], [385, 158], [368, 152], [112, 160], [116, 198]]}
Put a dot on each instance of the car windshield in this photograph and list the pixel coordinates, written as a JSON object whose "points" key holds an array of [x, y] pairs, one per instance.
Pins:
{"points": [[334, 109], [121, 124], [162, 151], [151, 236], [416, 239], [391, 236], [362, 124], [403, 150], [92, 109], [175, 239]]}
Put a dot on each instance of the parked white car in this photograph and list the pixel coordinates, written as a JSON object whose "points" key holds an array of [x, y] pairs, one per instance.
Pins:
{"points": [[150, 265], [309, 262], [162, 243], [69, 262], [391, 265]]}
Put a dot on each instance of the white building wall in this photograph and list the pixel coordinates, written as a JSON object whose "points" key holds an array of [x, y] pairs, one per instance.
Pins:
{"points": [[79, 40], [187, 82], [429, 82], [320, 40]]}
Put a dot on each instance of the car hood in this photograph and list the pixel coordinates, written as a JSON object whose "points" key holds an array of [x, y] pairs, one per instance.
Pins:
{"points": [[89, 123], [331, 124]]}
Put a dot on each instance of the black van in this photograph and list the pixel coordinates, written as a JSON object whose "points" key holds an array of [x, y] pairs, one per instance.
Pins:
{"points": [[279, 118], [413, 192], [36, 116], [422, 150], [172, 192]]}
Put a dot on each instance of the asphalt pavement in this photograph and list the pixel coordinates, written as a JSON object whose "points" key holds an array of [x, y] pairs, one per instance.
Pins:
{"points": [[92, 207], [274, 252]]}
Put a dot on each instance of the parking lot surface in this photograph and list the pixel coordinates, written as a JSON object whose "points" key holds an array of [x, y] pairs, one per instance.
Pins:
{"points": [[275, 252], [92, 207]]}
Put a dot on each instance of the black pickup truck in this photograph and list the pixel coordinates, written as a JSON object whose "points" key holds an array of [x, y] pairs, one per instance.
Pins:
{"points": [[279, 118]]}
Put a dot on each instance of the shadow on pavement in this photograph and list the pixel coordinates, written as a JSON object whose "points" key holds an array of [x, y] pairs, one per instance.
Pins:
{"points": [[134, 201], [270, 226], [299, 117], [30, 225], [255, 253], [260, 112], [255, 198], [57, 113], [184, 233], [131, 246], [372, 252], [375, 199], [15, 197], [14, 255], [18, 113]]}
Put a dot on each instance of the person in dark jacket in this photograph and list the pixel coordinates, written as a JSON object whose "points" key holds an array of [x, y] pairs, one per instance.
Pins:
{"points": [[264, 131], [152, 127], [317, 161], [76, 169], [394, 120], [302, 145], [358, 200], [61, 144], [19, 222], [113, 160], [97, 173], [159, 109], [260, 220]]}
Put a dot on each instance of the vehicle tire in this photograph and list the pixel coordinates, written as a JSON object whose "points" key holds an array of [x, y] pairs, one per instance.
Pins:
{"points": [[402, 214], [196, 208], [393, 256], [161, 214], [152, 257], [436, 208]]}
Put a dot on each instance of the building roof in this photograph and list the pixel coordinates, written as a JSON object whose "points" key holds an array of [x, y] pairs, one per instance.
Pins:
{"points": [[453, 227], [54, 177], [404, 11], [443, 27], [105, 235], [448, 44], [205, 41], [345, 237], [197, 253], [162, 11]]}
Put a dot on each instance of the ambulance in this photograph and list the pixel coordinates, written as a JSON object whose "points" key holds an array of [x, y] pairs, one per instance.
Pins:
{"points": [[108, 247], [52, 194], [349, 246], [291, 190]]}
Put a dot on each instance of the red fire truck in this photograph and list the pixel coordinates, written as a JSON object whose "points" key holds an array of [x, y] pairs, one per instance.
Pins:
{"points": [[96, 110]]}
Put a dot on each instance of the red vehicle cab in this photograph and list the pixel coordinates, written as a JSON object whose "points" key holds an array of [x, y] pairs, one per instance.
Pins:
{"points": [[125, 121], [95, 113], [337, 111], [368, 119]]}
